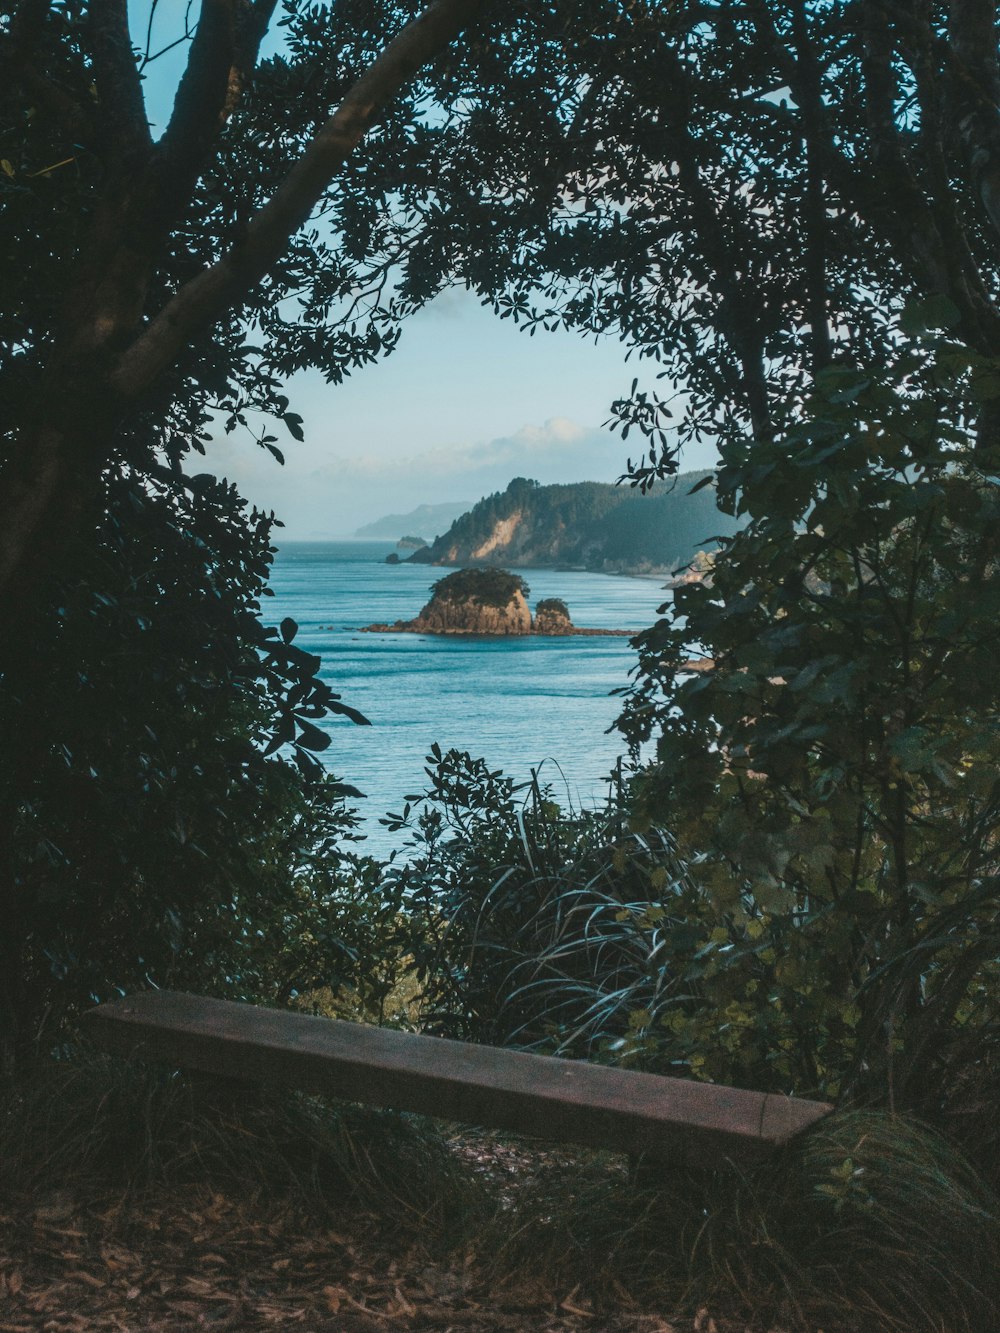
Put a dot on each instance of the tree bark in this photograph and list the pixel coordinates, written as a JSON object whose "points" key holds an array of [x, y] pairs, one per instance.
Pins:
{"points": [[974, 96]]}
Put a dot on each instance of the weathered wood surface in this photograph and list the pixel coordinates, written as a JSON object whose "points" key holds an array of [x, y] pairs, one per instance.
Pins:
{"points": [[669, 1119]]}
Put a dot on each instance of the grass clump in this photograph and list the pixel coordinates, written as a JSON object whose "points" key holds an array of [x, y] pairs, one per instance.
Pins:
{"points": [[869, 1222], [106, 1123]]}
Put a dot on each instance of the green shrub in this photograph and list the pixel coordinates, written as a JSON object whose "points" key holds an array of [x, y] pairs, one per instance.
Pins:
{"points": [[95, 1125], [575, 934], [490, 587], [516, 908], [832, 779], [159, 804], [868, 1223]]}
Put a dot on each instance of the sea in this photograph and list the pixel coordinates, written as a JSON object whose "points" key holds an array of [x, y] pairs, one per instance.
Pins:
{"points": [[521, 704]]}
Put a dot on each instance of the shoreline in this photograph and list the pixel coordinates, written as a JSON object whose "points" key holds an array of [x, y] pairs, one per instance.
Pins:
{"points": [[405, 627], [653, 575]]}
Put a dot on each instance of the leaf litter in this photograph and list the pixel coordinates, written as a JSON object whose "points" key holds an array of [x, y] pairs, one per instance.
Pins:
{"points": [[191, 1257]]}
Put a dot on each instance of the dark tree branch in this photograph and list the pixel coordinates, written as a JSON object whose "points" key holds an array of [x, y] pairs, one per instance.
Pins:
{"points": [[120, 109], [841, 173], [222, 60], [221, 288], [933, 152], [974, 96], [52, 485], [201, 93], [814, 201], [738, 316], [905, 210], [254, 18]]}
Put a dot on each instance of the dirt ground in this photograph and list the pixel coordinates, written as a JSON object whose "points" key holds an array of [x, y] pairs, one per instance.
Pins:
{"points": [[201, 1260]]}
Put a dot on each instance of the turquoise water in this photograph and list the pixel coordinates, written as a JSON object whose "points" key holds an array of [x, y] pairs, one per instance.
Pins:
{"points": [[518, 703]]}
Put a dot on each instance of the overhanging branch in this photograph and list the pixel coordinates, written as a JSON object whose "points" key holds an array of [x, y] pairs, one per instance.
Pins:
{"points": [[974, 96], [221, 288]]}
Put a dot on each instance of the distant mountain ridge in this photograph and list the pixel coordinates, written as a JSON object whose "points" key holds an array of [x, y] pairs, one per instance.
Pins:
{"points": [[425, 521], [586, 524]]}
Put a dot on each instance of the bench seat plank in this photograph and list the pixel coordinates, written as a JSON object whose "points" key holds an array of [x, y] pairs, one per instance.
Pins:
{"points": [[670, 1119]]}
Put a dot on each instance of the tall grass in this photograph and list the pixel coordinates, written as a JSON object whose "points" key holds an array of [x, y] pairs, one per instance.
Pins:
{"points": [[105, 1123], [870, 1222], [524, 914]]}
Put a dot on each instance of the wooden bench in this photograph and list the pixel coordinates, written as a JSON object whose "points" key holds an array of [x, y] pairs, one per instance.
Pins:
{"points": [[645, 1115]]}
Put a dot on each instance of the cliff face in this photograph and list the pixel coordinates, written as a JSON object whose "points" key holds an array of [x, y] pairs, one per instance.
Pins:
{"points": [[552, 617], [488, 601], [472, 601], [585, 524], [444, 615]]}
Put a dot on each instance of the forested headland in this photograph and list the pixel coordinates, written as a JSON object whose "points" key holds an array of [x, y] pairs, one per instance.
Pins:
{"points": [[588, 525], [788, 214]]}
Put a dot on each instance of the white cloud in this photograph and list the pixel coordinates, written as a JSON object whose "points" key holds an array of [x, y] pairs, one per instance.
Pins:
{"points": [[348, 490], [558, 443]]}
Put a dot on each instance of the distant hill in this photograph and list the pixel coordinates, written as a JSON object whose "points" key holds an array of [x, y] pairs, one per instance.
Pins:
{"points": [[426, 521], [587, 524]]}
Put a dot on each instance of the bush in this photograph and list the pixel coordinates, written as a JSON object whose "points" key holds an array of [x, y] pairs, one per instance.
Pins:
{"points": [[553, 606], [516, 909], [100, 1125], [831, 779], [490, 587], [150, 832], [868, 1222], [572, 933]]}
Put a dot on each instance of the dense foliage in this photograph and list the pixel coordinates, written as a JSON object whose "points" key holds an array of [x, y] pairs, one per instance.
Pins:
{"points": [[488, 587], [149, 830], [747, 196], [823, 917], [149, 826], [496, 879], [741, 193], [750, 196], [833, 777]]}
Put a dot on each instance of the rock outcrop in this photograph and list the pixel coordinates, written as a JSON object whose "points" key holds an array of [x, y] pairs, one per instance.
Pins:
{"points": [[552, 617], [488, 602], [468, 606], [472, 601]]}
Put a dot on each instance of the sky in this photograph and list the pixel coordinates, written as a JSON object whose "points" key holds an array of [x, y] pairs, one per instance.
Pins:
{"points": [[465, 403]]}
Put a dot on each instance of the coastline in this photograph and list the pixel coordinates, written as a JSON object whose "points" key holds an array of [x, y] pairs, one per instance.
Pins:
{"points": [[405, 627]]}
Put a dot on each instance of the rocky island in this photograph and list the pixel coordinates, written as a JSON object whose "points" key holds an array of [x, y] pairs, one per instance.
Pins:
{"points": [[489, 602]]}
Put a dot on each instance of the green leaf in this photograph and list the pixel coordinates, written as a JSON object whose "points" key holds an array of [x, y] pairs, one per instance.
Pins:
{"points": [[294, 423], [311, 737], [932, 312]]}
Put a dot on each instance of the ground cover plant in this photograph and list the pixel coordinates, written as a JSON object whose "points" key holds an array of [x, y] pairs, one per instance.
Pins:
{"points": [[162, 1188]]}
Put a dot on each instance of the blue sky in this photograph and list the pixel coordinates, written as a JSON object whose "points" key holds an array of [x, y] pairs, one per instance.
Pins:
{"points": [[464, 403]]}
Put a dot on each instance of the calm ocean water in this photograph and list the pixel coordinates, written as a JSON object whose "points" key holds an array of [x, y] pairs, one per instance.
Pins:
{"points": [[517, 703]]}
